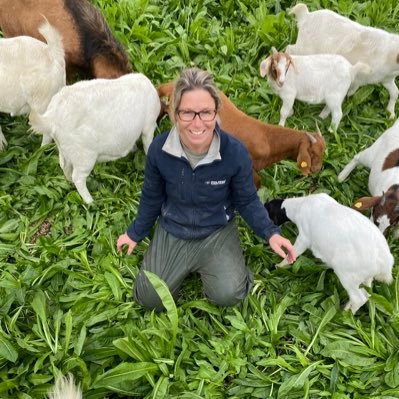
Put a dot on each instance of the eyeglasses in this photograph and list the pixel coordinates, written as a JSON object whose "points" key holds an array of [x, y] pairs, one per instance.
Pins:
{"points": [[206, 115]]}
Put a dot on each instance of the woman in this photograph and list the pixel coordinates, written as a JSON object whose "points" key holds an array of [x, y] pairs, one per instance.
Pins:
{"points": [[196, 176]]}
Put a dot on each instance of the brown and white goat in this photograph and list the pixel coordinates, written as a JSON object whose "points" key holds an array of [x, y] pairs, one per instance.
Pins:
{"points": [[326, 32], [314, 79], [382, 158], [90, 48], [266, 144], [346, 241]]}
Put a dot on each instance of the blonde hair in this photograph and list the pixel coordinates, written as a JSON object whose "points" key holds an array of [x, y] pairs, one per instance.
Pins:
{"points": [[191, 79]]}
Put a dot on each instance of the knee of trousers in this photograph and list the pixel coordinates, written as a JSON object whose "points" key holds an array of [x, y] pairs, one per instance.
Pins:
{"points": [[227, 295], [230, 292], [145, 294]]}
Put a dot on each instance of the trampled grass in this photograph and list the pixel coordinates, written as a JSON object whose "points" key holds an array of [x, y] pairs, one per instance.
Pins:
{"points": [[65, 294]]}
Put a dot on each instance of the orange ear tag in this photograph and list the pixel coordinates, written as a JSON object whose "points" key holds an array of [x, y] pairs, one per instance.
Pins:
{"points": [[358, 205], [304, 164]]}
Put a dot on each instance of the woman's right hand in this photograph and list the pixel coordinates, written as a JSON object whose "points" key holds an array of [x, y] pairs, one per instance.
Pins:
{"points": [[124, 239]]}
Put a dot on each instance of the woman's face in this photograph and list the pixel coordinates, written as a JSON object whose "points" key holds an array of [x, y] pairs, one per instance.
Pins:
{"points": [[196, 133]]}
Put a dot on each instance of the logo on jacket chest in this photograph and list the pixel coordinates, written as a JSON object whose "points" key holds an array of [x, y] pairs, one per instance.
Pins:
{"points": [[215, 182]]}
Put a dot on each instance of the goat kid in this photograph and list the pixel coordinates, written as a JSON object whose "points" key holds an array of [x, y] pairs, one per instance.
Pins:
{"points": [[267, 144], [324, 31], [90, 47], [382, 158], [345, 240], [31, 72], [97, 121], [315, 79]]}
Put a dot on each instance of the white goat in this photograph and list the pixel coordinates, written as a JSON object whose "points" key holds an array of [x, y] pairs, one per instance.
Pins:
{"points": [[98, 120], [65, 388], [324, 31], [315, 79], [382, 158], [31, 72], [342, 238]]}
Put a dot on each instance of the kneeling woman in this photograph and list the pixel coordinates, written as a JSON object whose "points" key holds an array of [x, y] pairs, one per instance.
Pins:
{"points": [[196, 176]]}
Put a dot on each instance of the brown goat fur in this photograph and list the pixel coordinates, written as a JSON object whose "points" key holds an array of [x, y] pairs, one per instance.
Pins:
{"points": [[392, 160], [266, 144], [90, 48]]}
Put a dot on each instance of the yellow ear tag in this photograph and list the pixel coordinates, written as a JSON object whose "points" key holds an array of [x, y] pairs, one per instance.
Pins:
{"points": [[358, 205], [304, 164]]}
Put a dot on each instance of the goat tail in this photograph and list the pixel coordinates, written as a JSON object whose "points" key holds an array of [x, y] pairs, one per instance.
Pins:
{"points": [[54, 40], [360, 67], [65, 388], [385, 273], [37, 123], [300, 10]]}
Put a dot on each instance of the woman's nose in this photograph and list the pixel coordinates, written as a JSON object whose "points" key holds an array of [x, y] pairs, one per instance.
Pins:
{"points": [[197, 120]]}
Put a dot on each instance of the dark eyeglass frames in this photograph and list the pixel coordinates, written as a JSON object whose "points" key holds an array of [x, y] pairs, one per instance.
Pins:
{"points": [[207, 115]]}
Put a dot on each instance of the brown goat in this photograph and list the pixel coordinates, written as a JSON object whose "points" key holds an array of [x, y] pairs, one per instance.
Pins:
{"points": [[267, 144], [90, 48]]}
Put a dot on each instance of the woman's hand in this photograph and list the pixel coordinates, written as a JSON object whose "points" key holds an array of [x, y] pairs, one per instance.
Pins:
{"points": [[277, 243], [124, 239]]}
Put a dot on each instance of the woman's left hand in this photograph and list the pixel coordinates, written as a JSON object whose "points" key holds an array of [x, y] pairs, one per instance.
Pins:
{"points": [[277, 243]]}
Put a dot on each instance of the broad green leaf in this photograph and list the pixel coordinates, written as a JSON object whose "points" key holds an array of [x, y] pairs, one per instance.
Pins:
{"points": [[7, 350], [161, 388], [39, 305], [167, 299], [124, 372], [344, 351], [296, 381], [113, 282]]}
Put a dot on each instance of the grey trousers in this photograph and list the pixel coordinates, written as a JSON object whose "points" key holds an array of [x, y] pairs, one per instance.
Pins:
{"points": [[218, 259]]}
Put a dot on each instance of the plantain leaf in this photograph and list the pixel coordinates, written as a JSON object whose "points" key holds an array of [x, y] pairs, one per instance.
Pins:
{"points": [[7, 350], [124, 372]]}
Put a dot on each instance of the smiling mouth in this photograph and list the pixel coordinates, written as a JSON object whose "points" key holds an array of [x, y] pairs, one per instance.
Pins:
{"points": [[197, 133]]}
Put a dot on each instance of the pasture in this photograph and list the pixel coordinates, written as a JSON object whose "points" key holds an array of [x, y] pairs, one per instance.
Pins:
{"points": [[66, 300]]}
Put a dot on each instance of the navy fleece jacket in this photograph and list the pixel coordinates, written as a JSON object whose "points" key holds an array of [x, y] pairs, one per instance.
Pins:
{"points": [[193, 203]]}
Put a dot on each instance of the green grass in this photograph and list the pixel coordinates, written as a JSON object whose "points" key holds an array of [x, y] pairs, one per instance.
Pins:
{"points": [[66, 300]]}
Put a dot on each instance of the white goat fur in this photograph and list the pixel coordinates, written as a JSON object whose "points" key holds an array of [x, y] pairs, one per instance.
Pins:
{"points": [[98, 120], [31, 72], [373, 158], [345, 240], [315, 79], [65, 388], [324, 31]]}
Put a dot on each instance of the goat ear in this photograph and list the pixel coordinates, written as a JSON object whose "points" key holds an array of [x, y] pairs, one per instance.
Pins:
{"points": [[366, 203], [304, 161], [311, 138], [318, 130], [292, 62], [274, 50], [166, 90], [164, 109], [165, 93], [265, 67]]}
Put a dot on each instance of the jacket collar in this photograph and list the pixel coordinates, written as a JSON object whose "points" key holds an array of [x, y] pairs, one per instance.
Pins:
{"points": [[173, 146]]}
